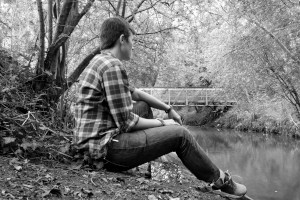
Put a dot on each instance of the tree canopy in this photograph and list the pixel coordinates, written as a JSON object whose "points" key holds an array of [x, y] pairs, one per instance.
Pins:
{"points": [[250, 48]]}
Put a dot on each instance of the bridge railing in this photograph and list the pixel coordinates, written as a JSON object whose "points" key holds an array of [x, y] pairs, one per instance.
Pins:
{"points": [[191, 96]]}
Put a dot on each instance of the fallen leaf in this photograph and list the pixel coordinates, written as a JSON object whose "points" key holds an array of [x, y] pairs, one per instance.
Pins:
{"points": [[43, 128], [170, 198], [105, 180], [8, 140], [67, 190], [85, 176], [28, 186], [152, 197], [25, 145], [48, 176], [79, 194], [65, 149], [141, 180], [13, 77], [17, 167], [14, 161], [76, 166], [19, 152], [89, 193]]}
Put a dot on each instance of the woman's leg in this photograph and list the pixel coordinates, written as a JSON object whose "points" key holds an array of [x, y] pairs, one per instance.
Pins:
{"points": [[136, 148]]}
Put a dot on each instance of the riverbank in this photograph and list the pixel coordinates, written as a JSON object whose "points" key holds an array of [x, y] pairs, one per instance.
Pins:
{"points": [[241, 120], [247, 121]]}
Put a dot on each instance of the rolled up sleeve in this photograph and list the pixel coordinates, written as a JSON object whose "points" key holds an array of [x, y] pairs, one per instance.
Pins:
{"points": [[118, 94]]}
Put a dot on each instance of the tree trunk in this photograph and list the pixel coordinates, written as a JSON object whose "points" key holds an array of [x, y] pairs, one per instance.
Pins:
{"points": [[50, 22], [67, 19], [75, 75], [40, 67]]}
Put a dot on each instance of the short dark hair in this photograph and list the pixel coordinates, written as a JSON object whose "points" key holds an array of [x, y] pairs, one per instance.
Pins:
{"points": [[112, 29]]}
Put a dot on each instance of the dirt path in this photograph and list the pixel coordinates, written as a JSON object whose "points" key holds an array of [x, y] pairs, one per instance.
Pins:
{"points": [[24, 179]]}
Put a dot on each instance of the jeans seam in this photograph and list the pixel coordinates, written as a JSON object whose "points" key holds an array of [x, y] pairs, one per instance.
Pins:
{"points": [[115, 163]]}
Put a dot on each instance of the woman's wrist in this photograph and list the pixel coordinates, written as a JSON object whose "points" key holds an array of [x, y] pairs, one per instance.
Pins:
{"points": [[169, 109]]}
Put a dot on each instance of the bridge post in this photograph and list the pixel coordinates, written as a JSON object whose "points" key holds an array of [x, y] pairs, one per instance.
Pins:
{"points": [[186, 98], [206, 99], [169, 96]]}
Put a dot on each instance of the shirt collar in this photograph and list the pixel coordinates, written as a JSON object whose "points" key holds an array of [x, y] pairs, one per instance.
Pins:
{"points": [[107, 52]]}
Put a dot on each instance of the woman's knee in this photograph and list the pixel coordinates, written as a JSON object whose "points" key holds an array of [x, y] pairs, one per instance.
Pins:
{"points": [[184, 133]]}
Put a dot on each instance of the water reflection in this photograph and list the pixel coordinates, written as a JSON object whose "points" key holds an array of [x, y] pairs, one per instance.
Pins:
{"points": [[268, 165]]}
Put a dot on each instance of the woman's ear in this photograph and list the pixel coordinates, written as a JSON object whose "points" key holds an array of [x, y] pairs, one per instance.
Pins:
{"points": [[122, 39]]}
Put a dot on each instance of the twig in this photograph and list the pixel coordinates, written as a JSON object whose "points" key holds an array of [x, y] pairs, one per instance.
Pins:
{"points": [[5, 24], [294, 121], [61, 153], [93, 182], [159, 31], [28, 115]]}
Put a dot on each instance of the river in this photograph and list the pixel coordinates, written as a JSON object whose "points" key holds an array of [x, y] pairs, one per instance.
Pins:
{"points": [[268, 165]]}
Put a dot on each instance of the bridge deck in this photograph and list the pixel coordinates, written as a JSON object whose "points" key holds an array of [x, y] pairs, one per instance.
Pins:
{"points": [[191, 96]]}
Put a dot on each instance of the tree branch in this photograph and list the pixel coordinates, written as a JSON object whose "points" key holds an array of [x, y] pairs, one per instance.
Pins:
{"points": [[42, 36], [118, 8], [136, 10], [288, 52], [124, 8], [86, 9], [76, 73], [50, 22], [112, 6], [5, 24], [62, 19], [159, 31], [57, 7], [287, 88]]}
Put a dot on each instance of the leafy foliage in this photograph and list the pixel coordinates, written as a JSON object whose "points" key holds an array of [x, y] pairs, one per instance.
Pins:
{"points": [[250, 48]]}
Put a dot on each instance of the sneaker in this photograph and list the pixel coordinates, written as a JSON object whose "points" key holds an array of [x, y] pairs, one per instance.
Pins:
{"points": [[228, 186]]}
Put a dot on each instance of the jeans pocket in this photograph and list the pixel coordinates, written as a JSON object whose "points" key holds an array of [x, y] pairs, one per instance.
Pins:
{"points": [[136, 139]]}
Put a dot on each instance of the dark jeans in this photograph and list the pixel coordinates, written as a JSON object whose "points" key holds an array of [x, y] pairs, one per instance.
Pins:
{"points": [[138, 147]]}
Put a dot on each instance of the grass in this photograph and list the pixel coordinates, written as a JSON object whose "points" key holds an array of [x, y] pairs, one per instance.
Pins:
{"points": [[268, 118]]}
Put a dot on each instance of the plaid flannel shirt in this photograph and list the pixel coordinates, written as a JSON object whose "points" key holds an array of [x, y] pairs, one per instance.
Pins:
{"points": [[104, 105]]}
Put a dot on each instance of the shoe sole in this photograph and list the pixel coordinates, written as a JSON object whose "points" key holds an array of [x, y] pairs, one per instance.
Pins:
{"points": [[224, 194]]}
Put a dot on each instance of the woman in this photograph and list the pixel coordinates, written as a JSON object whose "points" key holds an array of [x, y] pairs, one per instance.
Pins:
{"points": [[108, 129]]}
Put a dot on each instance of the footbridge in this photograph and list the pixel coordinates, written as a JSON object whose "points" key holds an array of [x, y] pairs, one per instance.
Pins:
{"points": [[191, 96]]}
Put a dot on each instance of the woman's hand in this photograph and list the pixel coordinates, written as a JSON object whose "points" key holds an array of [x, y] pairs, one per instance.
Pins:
{"points": [[175, 116], [168, 122]]}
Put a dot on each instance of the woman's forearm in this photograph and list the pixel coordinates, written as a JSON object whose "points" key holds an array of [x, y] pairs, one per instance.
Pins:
{"points": [[153, 102], [146, 123], [139, 95]]}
